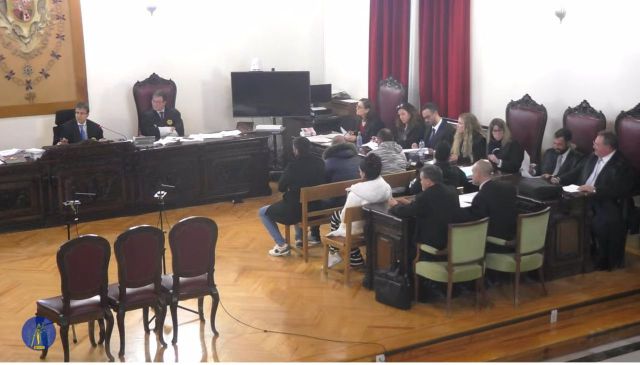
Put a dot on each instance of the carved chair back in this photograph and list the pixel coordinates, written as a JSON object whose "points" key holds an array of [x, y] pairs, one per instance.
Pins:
{"points": [[584, 122], [143, 91], [391, 94], [527, 120]]}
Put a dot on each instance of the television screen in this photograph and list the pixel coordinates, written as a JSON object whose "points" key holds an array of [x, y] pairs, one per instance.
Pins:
{"points": [[270, 94], [320, 93]]}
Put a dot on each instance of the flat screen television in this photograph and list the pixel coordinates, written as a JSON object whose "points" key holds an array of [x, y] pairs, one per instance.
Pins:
{"points": [[270, 94], [320, 93]]}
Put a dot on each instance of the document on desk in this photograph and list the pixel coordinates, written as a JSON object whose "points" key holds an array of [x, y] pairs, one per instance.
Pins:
{"points": [[269, 127], [10, 152], [372, 145], [466, 199], [467, 171], [319, 139], [571, 188]]}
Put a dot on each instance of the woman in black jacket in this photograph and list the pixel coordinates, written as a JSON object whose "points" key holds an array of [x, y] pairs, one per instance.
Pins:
{"points": [[305, 170], [469, 144], [368, 123], [505, 154], [409, 128]]}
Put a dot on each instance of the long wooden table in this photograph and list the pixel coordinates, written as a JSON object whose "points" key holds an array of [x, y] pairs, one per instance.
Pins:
{"points": [[124, 179], [567, 248]]}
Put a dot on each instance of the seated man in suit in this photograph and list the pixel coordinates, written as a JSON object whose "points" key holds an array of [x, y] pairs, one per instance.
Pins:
{"points": [[161, 121], [437, 129], [80, 129], [561, 158], [434, 208], [497, 201], [607, 175]]}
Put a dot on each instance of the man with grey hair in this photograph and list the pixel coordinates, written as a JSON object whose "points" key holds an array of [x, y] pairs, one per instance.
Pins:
{"points": [[497, 201], [434, 209], [606, 176]]}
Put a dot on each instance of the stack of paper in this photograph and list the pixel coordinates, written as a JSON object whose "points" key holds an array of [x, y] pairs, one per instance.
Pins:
{"points": [[268, 127], [571, 188], [466, 199], [467, 171]]}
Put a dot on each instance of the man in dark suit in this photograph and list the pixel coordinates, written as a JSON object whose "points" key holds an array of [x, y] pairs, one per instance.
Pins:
{"points": [[607, 177], [434, 209], [161, 121], [437, 130], [496, 200], [80, 129], [561, 158]]}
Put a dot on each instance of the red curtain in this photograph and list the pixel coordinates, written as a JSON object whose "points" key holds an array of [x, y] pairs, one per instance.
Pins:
{"points": [[388, 43], [445, 70]]}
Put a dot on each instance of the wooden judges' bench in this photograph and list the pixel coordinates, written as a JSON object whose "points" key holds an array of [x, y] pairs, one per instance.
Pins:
{"points": [[124, 179]]}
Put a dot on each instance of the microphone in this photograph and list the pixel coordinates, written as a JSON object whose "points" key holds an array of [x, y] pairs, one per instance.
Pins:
{"points": [[167, 186], [112, 131], [85, 194]]}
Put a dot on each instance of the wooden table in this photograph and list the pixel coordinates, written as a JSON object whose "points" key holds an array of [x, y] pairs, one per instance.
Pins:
{"points": [[567, 248]]}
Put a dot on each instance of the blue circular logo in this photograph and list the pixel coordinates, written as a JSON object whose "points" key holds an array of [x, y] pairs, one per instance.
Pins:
{"points": [[38, 333]]}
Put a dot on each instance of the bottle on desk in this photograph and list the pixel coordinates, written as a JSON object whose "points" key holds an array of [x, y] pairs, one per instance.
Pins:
{"points": [[359, 141], [421, 150]]}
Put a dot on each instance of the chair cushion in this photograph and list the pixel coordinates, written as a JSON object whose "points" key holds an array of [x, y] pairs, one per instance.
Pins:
{"points": [[188, 286], [506, 262], [134, 297], [437, 271], [51, 308]]}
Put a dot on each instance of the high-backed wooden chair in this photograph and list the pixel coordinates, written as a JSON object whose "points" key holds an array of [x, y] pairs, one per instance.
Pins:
{"points": [[62, 116], [143, 91], [391, 93], [528, 247], [527, 120], [628, 131], [83, 263], [193, 251], [139, 255], [584, 122], [465, 259]]}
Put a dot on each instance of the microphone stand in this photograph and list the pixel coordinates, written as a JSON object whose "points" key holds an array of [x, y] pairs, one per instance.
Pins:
{"points": [[112, 131], [73, 208], [160, 195]]}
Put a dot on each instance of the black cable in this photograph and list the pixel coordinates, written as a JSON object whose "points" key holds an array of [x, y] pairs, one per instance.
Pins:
{"points": [[300, 334]]}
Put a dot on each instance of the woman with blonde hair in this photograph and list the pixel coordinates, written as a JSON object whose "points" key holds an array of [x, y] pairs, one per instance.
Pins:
{"points": [[469, 144], [504, 153]]}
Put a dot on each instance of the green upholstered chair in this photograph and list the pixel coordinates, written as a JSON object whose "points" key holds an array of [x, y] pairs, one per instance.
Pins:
{"points": [[528, 252], [465, 258]]}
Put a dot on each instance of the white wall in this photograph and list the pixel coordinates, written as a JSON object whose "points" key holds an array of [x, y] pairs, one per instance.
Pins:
{"points": [[197, 43], [517, 47], [520, 47], [346, 46]]}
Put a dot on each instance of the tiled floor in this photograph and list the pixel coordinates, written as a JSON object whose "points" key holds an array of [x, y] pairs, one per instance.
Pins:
{"points": [[627, 350]]}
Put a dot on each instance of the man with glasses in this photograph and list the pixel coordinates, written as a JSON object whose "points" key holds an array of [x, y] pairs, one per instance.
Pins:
{"points": [[161, 121], [80, 129], [606, 176]]}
